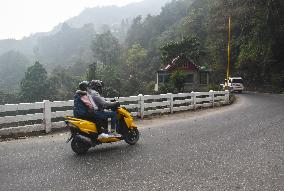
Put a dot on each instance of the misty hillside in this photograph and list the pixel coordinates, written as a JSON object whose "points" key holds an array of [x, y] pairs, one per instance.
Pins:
{"points": [[113, 15], [69, 43], [102, 18]]}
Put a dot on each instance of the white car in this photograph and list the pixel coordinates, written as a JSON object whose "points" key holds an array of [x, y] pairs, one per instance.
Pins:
{"points": [[235, 84]]}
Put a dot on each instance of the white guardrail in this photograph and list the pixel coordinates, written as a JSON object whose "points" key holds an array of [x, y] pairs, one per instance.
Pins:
{"points": [[47, 115]]}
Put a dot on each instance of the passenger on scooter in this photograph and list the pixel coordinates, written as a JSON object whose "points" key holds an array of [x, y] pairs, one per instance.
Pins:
{"points": [[82, 105], [83, 108], [100, 104]]}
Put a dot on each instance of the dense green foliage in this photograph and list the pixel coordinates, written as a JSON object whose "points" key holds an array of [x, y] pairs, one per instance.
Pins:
{"points": [[35, 86], [135, 58], [187, 46], [257, 40], [257, 37], [197, 28], [107, 49], [178, 80]]}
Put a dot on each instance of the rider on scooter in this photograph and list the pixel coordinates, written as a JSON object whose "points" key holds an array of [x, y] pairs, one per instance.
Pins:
{"points": [[100, 104]]}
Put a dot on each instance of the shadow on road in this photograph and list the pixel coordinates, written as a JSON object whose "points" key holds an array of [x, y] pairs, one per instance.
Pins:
{"points": [[117, 151]]}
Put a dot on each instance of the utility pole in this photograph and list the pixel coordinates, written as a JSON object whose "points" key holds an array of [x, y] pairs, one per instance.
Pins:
{"points": [[229, 54]]}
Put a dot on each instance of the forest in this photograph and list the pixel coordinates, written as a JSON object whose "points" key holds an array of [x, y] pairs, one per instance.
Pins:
{"points": [[126, 57]]}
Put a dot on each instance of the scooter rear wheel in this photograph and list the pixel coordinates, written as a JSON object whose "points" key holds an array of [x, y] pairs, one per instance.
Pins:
{"points": [[79, 147], [132, 137]]}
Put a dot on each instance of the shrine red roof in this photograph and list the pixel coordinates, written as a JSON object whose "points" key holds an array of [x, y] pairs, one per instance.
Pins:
{"points": [[183, 63]]}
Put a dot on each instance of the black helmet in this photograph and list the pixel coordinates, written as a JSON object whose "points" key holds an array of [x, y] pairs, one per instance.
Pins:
{"points": [[83, 85], [96, 85]]}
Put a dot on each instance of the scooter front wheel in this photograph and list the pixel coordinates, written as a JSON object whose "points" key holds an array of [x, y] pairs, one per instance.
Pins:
{"points": [[79, 147], [132, 137]]}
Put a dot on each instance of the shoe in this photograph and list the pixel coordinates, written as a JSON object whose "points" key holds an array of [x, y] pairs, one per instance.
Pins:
{"points": [[103, 135], [114, 134]]}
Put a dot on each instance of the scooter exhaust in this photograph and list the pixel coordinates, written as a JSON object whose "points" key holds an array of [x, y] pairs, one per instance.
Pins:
{"points": [[84, 139]]}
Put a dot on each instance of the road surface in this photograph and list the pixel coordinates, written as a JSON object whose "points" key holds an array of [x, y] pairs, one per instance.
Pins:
{"points": [[238, 147]]}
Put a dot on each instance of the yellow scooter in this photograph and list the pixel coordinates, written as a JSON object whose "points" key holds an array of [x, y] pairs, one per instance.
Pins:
{"points": [[84, 134]]}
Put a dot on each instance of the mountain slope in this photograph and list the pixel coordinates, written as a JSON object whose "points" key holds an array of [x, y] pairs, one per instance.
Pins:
{"points": [[69, 43], [112, 15]]}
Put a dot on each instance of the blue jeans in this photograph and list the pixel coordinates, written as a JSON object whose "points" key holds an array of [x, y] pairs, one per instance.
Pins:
{"points": [[104, 115]]}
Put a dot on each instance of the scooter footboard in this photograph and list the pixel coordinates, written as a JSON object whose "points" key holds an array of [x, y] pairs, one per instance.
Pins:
{"points": [[109, 139]]}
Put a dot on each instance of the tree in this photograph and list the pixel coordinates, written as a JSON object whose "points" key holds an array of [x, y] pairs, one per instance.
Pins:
{"points": [[63, 84], [134, 33], [92, 72], [135, 58], [146, 32], [177, 79], [134, 68], [35, 86], [188, 46], [106, 49]]}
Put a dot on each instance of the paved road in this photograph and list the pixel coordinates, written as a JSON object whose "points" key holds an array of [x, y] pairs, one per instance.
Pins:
{"points": [[240, 147]]}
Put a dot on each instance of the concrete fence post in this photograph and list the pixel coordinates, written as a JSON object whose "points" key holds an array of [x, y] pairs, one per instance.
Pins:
{"points": [[194, 100], [227, 96], [212, 97], [47, 115], [171, 100], [142, 106]]}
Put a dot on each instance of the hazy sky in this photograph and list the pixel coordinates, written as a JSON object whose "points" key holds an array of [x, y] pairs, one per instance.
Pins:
{"points": [[19, 18]]}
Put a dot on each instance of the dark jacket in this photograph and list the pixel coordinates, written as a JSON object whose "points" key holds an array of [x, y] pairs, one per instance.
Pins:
{"points": [[80, 109]]}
